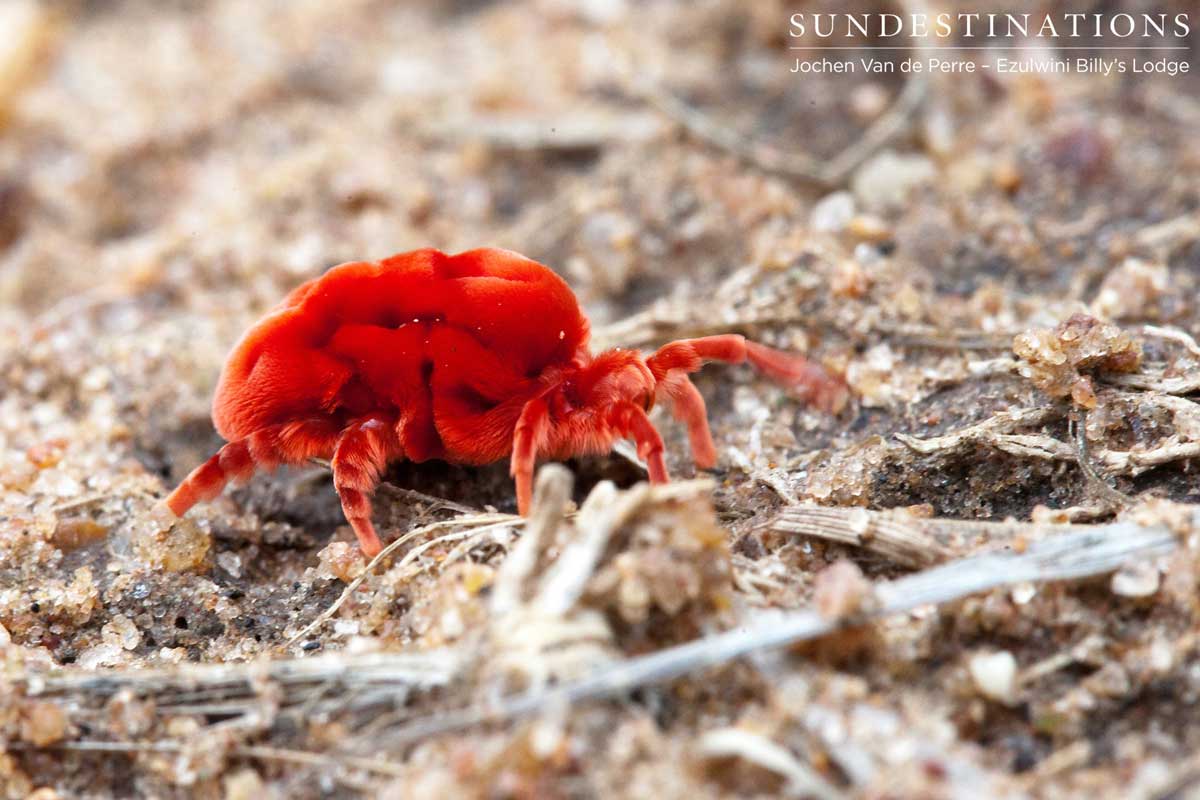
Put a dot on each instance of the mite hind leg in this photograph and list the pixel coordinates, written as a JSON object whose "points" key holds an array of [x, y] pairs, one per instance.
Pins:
{"points": [[266, 448], [362, 452]]}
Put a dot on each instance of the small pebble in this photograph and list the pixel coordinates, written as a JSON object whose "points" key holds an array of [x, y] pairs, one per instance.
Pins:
{"points": [[244, 784], [870, 228], [230, 562], [345, 627], [43, 724], [833, 212], [995, 676], [869, 101], [841, 590], [1140, 579], [342, 560], [1022, 593], [1054, 359], [107, 654], [1133, 291], [1006, 175], [71, 534], [181, 545], [886, 180], [1083, 151], [121, 632]]}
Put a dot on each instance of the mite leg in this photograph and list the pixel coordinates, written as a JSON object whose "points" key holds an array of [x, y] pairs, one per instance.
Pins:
{"points": [[362, 452], [528, 438], [687, 405], [632, 420], [810, 380], [290, 443]]}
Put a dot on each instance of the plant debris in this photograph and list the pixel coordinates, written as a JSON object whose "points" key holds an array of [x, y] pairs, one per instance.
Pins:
{"points": [[1055, 360]]}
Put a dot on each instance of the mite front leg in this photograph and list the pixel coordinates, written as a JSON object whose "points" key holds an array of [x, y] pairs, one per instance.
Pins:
{"points": [[290, 443], [528, 438], [362, 453], [687, 405], [809, 380], [632, 420]]}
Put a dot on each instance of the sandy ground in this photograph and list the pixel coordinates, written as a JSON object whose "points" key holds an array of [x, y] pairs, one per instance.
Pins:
{"points": [[1004, 268]]}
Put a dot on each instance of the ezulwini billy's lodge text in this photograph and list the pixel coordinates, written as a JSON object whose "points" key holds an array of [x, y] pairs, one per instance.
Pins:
{"points": [[969, 25], [1135, 65]]}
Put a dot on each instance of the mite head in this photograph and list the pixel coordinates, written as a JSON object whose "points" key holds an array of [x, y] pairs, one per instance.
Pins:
{"points": [[587, 407], [591, 389], [584, 408]]}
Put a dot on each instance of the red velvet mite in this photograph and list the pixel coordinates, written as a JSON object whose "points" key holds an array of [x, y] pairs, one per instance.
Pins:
{"points": [[466, 358]]}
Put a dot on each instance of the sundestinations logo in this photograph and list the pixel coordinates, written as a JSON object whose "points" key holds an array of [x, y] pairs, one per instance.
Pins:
{"points": [[1104, 43], [991, 26]]}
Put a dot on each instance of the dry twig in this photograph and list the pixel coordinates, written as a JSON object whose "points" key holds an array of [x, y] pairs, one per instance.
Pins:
{"points": [[551, 494], [582, 132], [1172, 334], [1111, 496], [918, 335], [1075, 554], [474, 522], [897, 536], [241, 690], [1157, 382], [258, 752], [992, 433], [802, 780]]}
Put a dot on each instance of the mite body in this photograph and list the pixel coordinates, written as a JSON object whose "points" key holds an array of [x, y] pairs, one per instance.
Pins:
{"points": [[468, 358]]}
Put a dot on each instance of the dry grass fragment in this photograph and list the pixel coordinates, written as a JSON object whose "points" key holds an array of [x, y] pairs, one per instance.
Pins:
{"points": [[801, 779], [996, 432], [474, 525], [1075, 552]]}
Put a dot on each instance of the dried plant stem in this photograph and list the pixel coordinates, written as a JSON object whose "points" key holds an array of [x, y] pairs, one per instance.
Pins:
{"points": [[918, 335], [1173, 335], [900, 538], [907, 540], [471, 522], [1179, 230], [187, 683], [82, 502], [1157, 382], [992, 433], [1110, 495], [552, 490], [1081, 552], [802, 779], [259, 752]]}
